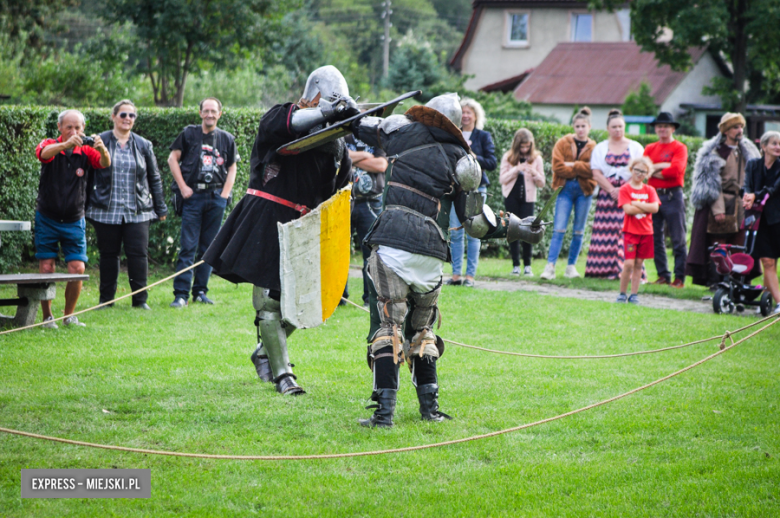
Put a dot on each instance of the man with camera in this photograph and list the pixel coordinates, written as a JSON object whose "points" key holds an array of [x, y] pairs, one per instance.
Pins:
{"points": [[368, 182], [203, 162], [66, 163]]}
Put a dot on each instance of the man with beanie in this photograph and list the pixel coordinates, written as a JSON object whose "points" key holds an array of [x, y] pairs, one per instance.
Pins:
{"points": [[718, 175], [670, 157]]}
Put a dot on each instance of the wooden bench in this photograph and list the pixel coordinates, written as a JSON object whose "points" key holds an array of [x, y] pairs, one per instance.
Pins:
{"points": [[31, 289]]}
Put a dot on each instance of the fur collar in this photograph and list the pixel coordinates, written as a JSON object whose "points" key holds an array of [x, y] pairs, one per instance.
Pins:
{"points": [[430, 117], [706, 170]]}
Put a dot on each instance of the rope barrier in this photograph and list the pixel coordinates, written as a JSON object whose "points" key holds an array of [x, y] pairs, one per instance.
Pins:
{"points": [[105, 303], [394, 450], [598, 356]]}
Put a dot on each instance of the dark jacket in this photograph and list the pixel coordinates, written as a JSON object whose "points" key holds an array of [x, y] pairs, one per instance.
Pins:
{"points": [[761, 181], [148, 185], [482, 146], [410, 220]]}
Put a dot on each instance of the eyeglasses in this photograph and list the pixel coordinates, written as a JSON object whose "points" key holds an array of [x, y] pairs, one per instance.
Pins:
{"points": [[123, 115], [640, 171]]}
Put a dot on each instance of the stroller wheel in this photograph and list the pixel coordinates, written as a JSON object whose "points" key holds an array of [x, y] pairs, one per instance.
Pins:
{"points": [[721, 302], [766, 304]]}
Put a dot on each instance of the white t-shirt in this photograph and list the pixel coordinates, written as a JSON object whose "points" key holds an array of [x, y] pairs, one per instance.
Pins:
{"points": [[421, 272], [467, 136]]}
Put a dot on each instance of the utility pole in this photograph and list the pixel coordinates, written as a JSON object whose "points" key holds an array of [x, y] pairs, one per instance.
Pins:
{"points": [[386, 38]]}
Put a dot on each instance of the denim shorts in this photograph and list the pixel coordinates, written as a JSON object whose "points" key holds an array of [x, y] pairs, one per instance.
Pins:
{"points": [[49, 234]]}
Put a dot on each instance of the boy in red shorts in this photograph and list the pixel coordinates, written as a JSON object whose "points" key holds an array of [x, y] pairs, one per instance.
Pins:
{"points": [[639, 202]]}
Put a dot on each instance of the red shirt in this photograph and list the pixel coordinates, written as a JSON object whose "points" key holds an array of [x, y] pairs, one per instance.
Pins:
{"points": [[674, 152], [62, 189], [641, 224]]}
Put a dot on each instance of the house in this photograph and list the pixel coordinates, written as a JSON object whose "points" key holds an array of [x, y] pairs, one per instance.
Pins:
{"points": [[506, 38], [601, 75]]}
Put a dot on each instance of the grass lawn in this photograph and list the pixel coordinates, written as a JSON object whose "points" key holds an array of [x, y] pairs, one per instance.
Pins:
{"points": [[705, 443]]}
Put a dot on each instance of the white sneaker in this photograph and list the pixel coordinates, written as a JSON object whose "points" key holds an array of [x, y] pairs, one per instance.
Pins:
{"points": [[571, 272], [777, 309], [73, 321], [527, 272], [516, 270], [549, 272], [49, 323]]}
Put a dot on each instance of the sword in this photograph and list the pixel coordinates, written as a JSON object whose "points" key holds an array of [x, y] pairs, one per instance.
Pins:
{"points": [[341, 129], [547, 206]]}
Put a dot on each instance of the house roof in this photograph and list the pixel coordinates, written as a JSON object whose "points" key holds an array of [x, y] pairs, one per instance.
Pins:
{"points": [[507, 85], [599, 73]]}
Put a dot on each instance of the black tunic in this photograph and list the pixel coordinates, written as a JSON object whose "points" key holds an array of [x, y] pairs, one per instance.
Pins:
{"points": [[247, 247]]}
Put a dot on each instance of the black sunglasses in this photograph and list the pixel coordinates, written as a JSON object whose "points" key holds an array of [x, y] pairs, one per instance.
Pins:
{"points": [[123, 115]]}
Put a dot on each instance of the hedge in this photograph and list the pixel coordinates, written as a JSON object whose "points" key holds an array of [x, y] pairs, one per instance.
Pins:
{"points": [[23, 127]]}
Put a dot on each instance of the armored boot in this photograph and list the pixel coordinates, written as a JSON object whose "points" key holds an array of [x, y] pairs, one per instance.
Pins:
{"points": [[273, 333], [428, 395], [262, 366], [385, 408]]}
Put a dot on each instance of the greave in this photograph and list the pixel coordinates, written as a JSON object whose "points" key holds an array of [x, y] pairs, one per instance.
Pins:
{"points": [[385, 408], [428, 396], [262, 365], [273, 335]]}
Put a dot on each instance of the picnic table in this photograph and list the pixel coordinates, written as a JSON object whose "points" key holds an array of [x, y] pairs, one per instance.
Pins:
{"points": [[31, 288]]}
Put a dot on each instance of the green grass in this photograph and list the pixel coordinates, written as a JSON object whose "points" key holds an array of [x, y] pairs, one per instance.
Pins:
{"points": [[705, 443]]}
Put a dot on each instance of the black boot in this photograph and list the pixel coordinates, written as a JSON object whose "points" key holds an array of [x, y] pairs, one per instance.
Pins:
{"points": [[428, 395], [385, 408], [262, 366], [285, 384]]}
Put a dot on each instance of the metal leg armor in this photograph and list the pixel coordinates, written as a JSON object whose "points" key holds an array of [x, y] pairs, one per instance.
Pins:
{"points": [[273, 334]]}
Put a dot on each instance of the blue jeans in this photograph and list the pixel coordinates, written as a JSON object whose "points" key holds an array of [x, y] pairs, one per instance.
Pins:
{"points": [[200, 222], [364, 213], [570, 197], [456, 244]]}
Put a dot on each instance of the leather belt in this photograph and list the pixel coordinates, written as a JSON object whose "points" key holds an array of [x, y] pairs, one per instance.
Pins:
{"points": [[668, 190], [303, 209], [208, 186]]}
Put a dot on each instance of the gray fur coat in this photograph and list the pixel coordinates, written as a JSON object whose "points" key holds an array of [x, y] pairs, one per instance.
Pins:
{"points": [[707, 168]]}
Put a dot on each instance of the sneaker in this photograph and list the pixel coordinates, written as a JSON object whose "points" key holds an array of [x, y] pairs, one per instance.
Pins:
{"points": [[549, 272], [777, 309], [453, 282], [366, 305], [571, 272], [49, 323], [73, 321], [622, 299], [179, 302], [527, 272], [633, 299], [678, 283], [202, 298], [661, 281], [142, 305], [516, 270], [468, 283]]}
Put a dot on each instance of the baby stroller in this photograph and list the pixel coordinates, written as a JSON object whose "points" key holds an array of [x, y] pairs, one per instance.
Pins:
{"points": [[738, 267]]}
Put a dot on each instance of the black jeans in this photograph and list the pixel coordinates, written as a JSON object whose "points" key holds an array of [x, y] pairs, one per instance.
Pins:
{"points": [[522, 209], [110, 238], [672, 211]]}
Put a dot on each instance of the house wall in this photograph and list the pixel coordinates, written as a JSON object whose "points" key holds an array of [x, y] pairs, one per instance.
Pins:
{"points": [[690, 88], [489, 60]]}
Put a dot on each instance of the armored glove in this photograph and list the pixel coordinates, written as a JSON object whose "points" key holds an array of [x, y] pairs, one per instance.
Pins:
{"points": [[339, 109]]}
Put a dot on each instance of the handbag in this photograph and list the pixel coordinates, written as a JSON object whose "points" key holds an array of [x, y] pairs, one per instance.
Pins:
{"points": [[729, 225]]}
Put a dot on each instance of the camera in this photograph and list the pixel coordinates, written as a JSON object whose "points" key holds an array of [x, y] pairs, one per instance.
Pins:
{"points": [[87, 141], [205, 177]]}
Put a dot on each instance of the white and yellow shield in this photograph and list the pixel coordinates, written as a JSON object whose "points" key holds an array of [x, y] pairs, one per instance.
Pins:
{"points": [[314, 262]]}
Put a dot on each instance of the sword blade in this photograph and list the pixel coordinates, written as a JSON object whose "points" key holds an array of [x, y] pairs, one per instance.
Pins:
{"points": [[547, 206]]}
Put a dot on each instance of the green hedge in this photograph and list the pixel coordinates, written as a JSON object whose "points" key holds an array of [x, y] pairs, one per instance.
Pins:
{"points": [[23, 127]]}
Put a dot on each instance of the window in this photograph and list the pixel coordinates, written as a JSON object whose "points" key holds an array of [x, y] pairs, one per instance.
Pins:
{"points": [[581, 27], [516, 29]]}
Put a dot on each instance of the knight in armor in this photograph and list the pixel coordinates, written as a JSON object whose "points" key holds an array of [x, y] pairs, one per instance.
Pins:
{"points": [[431, 172], [282, 188]]}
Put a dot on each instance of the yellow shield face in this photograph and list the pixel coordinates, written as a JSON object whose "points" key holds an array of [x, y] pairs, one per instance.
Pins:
{"points": [[314, 262]]}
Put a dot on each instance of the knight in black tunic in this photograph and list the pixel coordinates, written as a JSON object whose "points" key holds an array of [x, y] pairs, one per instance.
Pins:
{"points": [[247, 247]]}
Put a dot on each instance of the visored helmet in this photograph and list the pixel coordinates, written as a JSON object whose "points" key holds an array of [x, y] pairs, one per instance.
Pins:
{"points": [[326, 81], [449, 106]]}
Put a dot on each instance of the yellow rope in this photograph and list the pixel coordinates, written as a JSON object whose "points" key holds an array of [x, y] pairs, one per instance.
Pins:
{"points": [[395, 450], [105, 303]]}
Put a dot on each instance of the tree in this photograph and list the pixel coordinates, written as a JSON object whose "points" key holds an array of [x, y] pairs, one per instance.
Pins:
{"points": [[640, 102], [743, 30], [179, 37], [413, 66], [28, 22]]}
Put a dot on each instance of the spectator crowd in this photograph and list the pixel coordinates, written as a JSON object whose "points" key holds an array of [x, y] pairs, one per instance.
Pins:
{"points": [[112, 180]]}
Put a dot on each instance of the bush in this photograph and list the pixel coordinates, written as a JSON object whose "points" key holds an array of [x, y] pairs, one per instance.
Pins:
{"points": [[24, 127]]}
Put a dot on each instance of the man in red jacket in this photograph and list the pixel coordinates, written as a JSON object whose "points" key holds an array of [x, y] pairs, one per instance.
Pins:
{"points": [[670, 157]]}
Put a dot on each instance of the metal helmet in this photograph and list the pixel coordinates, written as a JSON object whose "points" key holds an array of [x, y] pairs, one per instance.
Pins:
{"points": [[449, 106], [328, 82], [468, 173]]}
